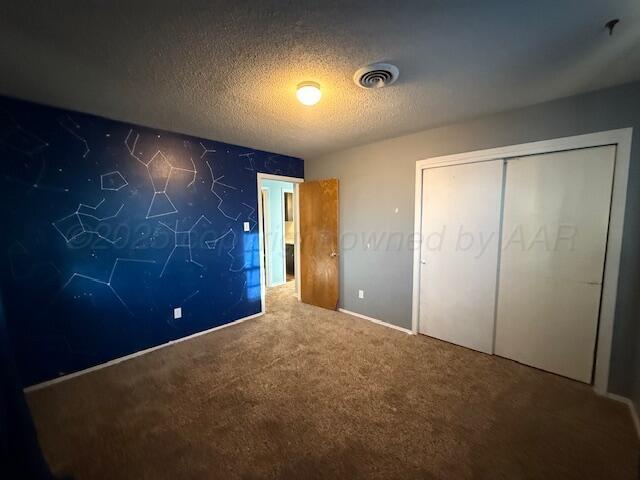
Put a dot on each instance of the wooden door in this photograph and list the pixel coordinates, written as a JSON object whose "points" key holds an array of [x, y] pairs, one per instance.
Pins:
{"points": [[319, 262]]}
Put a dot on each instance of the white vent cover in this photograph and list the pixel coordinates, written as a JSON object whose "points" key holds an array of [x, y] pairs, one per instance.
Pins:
{"points": [[376, 75]]}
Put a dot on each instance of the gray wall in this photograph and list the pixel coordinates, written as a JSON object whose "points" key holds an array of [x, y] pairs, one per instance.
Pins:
{"points": [[378, 178]]}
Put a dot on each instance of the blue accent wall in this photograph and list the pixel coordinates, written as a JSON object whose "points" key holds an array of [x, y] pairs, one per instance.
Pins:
{"points": [[109, 228]]}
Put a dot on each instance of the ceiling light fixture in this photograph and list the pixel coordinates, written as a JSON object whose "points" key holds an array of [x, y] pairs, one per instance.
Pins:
{"points": [[308, 93]]}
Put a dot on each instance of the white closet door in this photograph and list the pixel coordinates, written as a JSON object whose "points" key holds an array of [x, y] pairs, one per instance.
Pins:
{"points": [[556, 216], [460, 228]]}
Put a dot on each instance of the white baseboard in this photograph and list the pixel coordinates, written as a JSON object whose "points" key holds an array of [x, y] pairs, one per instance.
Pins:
{"points": [[375, 320], [115, 361], [632, 409]]}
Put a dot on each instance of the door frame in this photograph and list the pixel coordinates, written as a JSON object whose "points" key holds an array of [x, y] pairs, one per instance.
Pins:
{"points": [[264, 199], [621, 138], [284, 235], [296, 222]]}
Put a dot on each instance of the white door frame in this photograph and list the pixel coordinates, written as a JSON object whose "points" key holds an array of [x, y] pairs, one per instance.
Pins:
{"points": [[622, 139], [296, 222], [264, 252], [284, 236]]}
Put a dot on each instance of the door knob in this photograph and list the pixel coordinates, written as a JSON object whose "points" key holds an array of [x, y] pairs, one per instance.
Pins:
{"points": [[423, 262], [334, 254]]}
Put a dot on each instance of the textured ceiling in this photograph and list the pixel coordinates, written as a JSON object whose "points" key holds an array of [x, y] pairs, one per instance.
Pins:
{"points": [[228, 70]]}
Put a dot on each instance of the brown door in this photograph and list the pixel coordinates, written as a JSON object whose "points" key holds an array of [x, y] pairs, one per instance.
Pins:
{"points": [[319, 274]]}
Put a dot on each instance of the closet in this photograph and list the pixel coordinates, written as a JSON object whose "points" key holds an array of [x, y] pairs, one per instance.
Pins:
{"points": [[458, 278], [512, 256]]}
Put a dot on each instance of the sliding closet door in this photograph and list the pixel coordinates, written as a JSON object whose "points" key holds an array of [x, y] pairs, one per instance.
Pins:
{"points": [[459, 254], [556, 216]]}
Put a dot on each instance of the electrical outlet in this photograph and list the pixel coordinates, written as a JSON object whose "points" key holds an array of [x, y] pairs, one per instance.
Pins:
{"points": [[247, 227], [177, 313], [360, 293]]}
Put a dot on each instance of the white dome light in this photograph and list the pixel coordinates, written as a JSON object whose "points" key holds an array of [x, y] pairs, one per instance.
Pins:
{"points": [[309, 93]]}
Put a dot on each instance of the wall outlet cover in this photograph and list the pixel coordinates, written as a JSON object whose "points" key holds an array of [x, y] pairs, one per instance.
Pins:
{"points": [[177, 313], [247, 227], [360, 293]]}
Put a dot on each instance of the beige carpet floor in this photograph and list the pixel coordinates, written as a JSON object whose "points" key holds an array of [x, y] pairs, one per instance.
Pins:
{"points": [[305, 393]]}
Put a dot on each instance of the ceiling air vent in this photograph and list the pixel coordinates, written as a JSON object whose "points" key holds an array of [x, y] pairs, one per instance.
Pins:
{"points": [[376, 75]]}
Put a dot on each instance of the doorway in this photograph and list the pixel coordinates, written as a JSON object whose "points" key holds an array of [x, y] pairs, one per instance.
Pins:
{"points": [[279, 232], [278, 228], [299, 247]]}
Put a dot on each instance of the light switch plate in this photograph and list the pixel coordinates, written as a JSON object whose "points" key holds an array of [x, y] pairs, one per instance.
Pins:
{"points": [[247, 227], [360, 293], [177, 313]]}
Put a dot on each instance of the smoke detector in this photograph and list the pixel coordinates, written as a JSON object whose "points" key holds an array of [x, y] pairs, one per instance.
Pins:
{"points": [[376, 75]]}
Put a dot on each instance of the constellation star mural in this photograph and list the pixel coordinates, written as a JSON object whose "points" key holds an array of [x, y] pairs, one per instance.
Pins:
{"points": [[160, 169], [112, 181], [74, 224], [71, 126], [19, 139], [251, 216], [211, 244], [249, 158], [108, 281], [23, 266], [189, 297], [182, 239], [216, 181], [206, 150], [109, 229]]}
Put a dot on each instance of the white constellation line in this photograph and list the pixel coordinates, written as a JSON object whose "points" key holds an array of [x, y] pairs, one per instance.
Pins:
{"points": [[206, 150], [160, 189], [79, 214], [211, 244], [190, 297], [71, 128], [109, 280], [249, 157], [179, 241], [112, 174], [216, 181], [253, 211]]}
